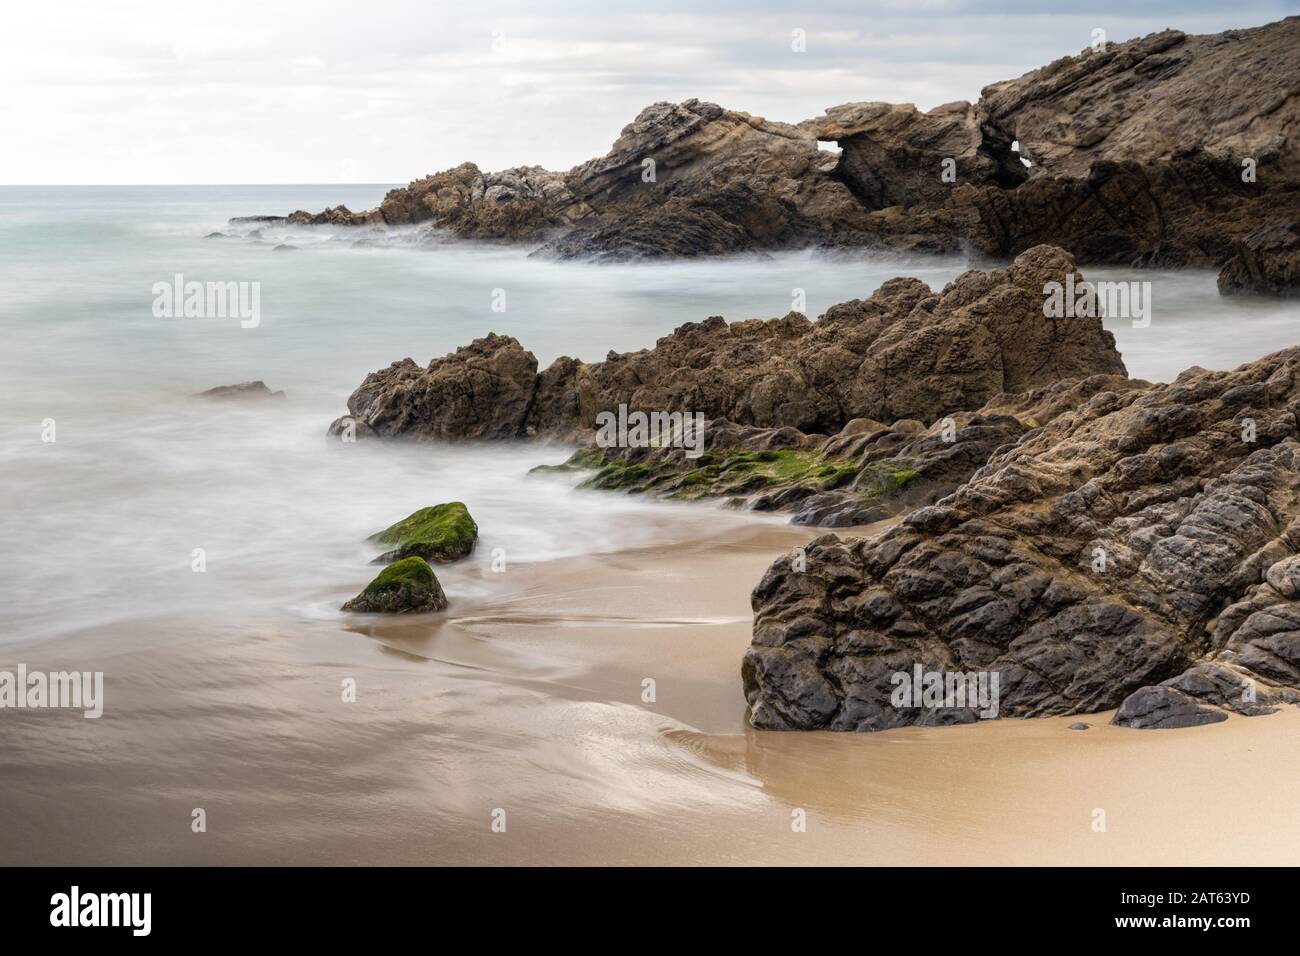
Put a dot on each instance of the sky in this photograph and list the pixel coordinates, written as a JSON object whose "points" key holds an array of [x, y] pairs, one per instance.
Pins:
{"points": [[384, 91]]}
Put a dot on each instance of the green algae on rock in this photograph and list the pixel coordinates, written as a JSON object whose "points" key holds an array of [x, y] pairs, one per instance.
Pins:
{"points": [[441, 533], [408, 585]]}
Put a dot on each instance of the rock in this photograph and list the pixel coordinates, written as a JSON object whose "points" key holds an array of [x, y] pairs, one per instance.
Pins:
{"points": [[1267, 261], [1231, 94], [857, 477], [895, 155], [721, 181], [1165, 708], [284, 247], [1186, 211], [905, 353], [518, 204], [254, 220], [481, 391], [1118, 555], [244, 391], [1165, 150], [408, 585], [336, 216], [441, 533], [1079, 725]]}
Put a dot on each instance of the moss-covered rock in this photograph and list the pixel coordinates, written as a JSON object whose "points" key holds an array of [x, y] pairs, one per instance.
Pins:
{"points": [[408, 585], [441, 533], [864, 474]]}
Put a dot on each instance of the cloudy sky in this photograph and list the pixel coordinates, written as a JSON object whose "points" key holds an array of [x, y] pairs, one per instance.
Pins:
{"points": [[282, 91]]}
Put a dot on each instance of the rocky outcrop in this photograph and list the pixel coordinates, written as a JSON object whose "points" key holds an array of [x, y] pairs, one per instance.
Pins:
{"points": [[1232, 94], [406, 586], [906, 352], [1137, 550], [1165, 150], [682, 179]]}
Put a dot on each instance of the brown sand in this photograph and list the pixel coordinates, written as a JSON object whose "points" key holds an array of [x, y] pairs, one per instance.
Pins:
{"points": [[530, 702]]}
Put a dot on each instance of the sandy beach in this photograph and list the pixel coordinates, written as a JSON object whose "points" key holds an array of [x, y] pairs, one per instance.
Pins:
{"points": [[530, 701]]}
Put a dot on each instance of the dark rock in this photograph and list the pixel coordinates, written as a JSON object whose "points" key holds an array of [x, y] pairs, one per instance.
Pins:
{"points": [[408, 585], [1165, 708], [481, 391], [1267, 261], [244, 391], [1132, 551]]}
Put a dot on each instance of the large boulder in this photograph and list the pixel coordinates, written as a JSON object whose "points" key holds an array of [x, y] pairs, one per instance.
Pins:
{"points": [[1146, 538], [481, 391]]}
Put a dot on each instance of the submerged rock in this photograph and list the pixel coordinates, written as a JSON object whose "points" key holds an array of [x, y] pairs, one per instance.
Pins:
{"points": [[441, 533], [408, 585], [244, 391], [1138, 550]]}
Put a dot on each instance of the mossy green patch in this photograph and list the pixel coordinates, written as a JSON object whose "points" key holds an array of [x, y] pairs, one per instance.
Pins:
{"points": [[718, 472], [413, 572], [443, 532], [584, 459], [884, 479], [618, 474]]}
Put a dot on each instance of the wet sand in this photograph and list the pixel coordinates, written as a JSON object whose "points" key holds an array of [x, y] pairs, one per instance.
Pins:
{"points": [[529, 700]]}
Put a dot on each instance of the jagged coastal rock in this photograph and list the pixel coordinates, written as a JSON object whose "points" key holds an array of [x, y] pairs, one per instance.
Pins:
{"points": [[1167, 150], [408, 585], [907, 352], [1137, 551]]}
